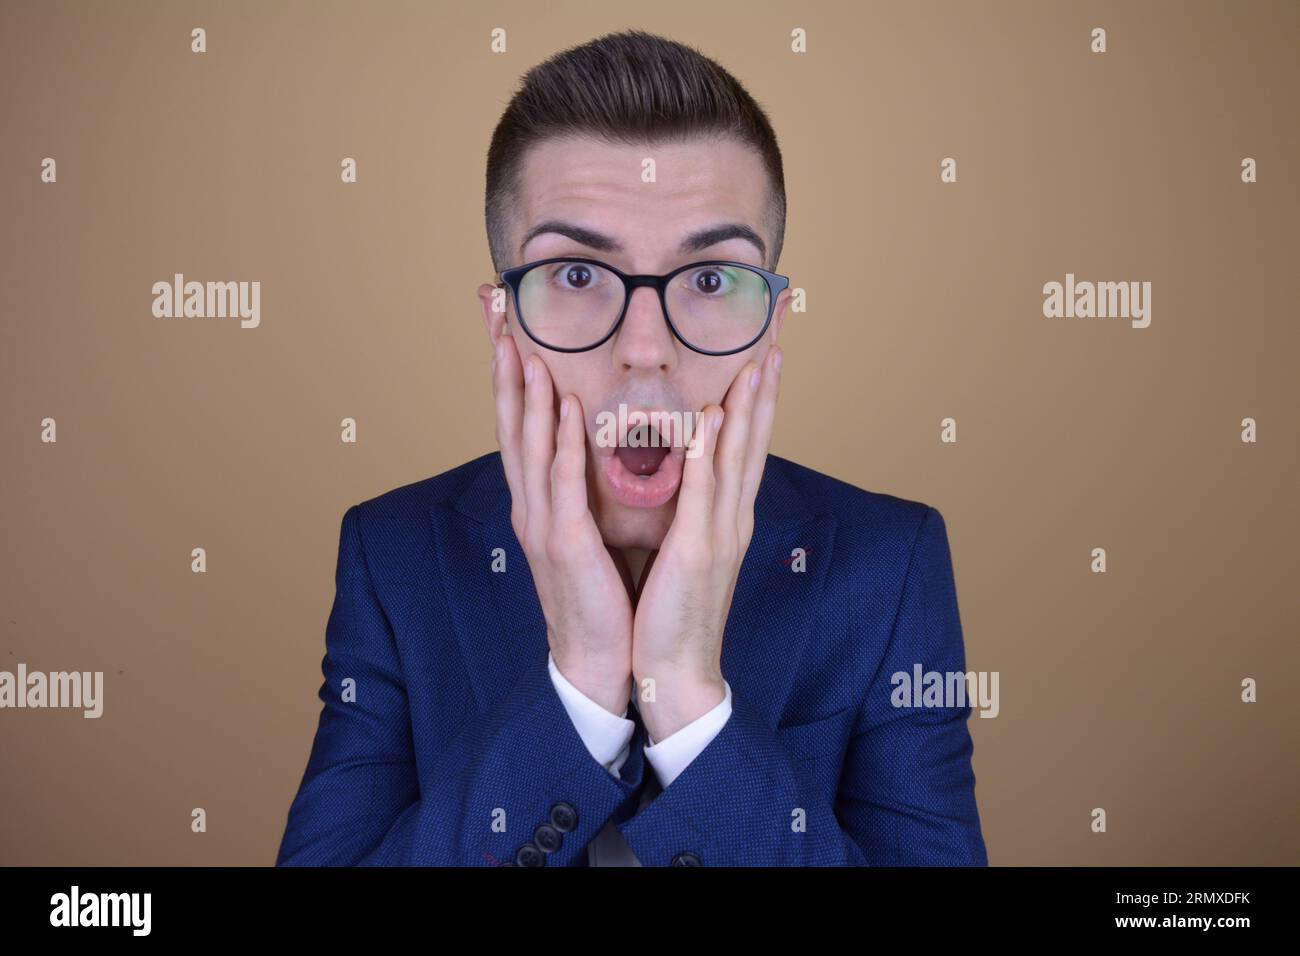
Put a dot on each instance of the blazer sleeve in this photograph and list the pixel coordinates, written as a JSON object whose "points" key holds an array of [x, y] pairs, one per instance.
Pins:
{"points": [[515, 784], [906, 790]]}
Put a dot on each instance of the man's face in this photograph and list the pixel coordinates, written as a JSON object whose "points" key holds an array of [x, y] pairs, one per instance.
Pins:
{"points": [[586, 184]]}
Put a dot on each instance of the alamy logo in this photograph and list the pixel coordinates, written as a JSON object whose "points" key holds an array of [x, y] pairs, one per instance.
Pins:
{"points": [[652, 429], [208, 300], [73, 689], [946, 689], [1101, 300], [103, 909]]}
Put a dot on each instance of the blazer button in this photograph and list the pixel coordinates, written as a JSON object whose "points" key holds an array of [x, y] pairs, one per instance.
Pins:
{"points": [[547, 838], [686, 858], [529, 855], [563, 816]]}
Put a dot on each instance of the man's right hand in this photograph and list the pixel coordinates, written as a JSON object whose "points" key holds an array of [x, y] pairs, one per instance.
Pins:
{"points": [[582, 592]]}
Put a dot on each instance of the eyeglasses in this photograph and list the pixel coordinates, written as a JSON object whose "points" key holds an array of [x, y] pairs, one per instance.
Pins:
{"points": [[714, 307]]}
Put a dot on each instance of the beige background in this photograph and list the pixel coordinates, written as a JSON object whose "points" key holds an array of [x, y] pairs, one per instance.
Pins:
{"points": [[1117, 690]]}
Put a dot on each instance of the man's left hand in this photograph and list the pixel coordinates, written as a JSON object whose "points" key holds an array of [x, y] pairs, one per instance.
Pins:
{"points": [[682, 610]]}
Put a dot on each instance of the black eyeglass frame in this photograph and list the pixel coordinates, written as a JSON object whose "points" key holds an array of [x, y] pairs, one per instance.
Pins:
{"points": [[511, 278]]}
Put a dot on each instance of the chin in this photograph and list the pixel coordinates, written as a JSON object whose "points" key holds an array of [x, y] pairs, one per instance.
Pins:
{"points": [[624, 527]]}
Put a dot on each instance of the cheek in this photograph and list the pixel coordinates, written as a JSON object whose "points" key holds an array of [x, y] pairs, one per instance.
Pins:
{"points": [[573, 377], [707, 383]]}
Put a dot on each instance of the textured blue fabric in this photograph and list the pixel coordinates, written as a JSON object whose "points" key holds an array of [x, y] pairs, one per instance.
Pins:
{"points": [[456, 723]]}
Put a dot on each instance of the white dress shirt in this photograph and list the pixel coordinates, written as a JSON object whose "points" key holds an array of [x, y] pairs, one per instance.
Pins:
{"points": [[608, 737]]}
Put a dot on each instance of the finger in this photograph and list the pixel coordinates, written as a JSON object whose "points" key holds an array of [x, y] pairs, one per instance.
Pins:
{"points": [[538, 441], [508, 392], [760, 429], [733, 440], [695, 499], [569, 472]]}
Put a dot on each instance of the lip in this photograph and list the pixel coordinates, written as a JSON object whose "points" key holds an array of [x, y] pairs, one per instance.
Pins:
{"points": [[637, 492]]}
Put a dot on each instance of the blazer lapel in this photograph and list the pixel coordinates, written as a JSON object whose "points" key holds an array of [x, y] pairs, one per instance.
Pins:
{"points": [[496, 615], [773, 610]]}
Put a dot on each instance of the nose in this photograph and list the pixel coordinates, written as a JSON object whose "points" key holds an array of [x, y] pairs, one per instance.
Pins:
{"points": [[644, 340]]}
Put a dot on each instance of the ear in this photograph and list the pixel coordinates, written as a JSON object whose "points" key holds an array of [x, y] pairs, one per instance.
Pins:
{"points": [[491, 299]]}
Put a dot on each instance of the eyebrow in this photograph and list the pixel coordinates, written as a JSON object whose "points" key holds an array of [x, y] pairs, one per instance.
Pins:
{"points": [[700, 239]]}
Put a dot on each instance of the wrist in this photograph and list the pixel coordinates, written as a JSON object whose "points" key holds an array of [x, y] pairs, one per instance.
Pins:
{"points": [[676, 699], [610, 686]]}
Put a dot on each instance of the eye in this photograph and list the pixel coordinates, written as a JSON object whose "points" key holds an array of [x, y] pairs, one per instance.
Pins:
{"points": [[711, 281], [574, 276]]}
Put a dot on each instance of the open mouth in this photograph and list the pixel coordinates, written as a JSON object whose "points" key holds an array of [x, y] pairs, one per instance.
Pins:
{"points": [[646, 472], [645, 460]]}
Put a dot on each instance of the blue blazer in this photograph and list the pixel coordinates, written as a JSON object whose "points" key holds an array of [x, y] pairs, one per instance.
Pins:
{"points": [[442, 741]]}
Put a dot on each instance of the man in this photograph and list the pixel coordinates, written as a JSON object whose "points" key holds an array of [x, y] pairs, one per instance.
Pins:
{"points": [[650, 642]]}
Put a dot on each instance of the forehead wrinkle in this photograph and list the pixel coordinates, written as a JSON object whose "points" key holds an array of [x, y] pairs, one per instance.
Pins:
{"points": [[564, 181]]}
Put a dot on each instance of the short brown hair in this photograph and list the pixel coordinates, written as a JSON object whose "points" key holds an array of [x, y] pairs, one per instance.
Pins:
{"points": [[625, 87]]}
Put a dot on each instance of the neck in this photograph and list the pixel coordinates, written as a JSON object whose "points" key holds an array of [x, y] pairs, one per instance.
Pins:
{"points": [[636, 559]]}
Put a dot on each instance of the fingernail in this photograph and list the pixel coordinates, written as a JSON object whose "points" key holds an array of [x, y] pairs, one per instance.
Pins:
{"points": [[564, 408], [717, 421], [754, 376], [528, 371], [776, 360]]}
